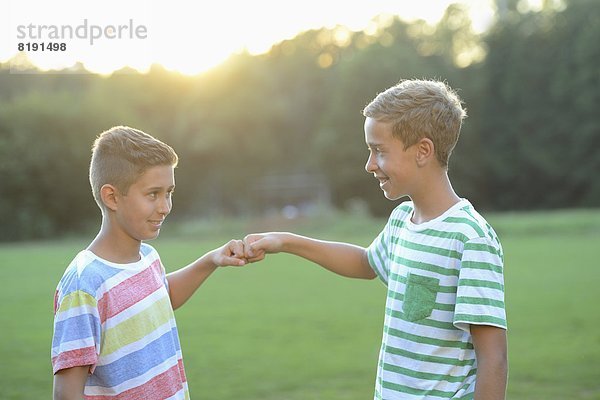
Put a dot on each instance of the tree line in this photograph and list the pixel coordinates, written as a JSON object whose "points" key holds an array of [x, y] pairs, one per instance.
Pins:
{"points": [[531, 85]]}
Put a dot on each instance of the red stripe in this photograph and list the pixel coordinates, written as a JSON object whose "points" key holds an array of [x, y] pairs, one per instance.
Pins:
{"points": [[160, 387], [130, 291], [74, 358], [181, 370]]}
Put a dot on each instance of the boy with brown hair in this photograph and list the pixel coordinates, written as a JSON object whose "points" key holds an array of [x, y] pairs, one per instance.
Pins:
{"points": [[444, 333], [115, 335]]}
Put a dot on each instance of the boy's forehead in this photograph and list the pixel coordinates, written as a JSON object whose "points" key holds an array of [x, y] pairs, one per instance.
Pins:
{"points": [[377, 132], [157, 176]]}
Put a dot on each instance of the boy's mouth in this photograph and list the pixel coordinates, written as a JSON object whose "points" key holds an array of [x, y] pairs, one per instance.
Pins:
{"points": [[382, 180]]}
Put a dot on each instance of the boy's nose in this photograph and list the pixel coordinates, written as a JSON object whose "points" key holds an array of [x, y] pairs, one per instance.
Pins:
{"points": [[165, 206], [370, 166]]}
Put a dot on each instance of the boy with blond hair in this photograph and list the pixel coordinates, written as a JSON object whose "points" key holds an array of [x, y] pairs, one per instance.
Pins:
{"points": [[115, 335], [444, 333]]}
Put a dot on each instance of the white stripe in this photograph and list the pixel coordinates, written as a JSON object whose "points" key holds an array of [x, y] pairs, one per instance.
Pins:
{"points": [[136, 308], [73, 345], [75, 312], [480, 310], [137, 345], [426, 384], [181, 394], [132, 383], [482, 292]]}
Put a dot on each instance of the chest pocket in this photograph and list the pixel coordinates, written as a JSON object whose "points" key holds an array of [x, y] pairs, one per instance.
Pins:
{"points": [[419, 297]]}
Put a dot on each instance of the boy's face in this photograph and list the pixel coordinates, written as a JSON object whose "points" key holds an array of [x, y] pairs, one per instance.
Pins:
{"points": [[392, 165], [141, 212]]}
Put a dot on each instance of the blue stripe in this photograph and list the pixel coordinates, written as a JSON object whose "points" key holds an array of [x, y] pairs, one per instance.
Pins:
{"points": [[75, 328], [137, 363], [94, 275], [146, 249]]}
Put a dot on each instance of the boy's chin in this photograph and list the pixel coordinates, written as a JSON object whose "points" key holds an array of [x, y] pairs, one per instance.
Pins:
{"points": [[151, 236], [393, 196]]}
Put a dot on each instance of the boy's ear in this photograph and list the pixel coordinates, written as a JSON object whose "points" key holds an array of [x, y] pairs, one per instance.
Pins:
{"points": [[108, 194], [425, 151]]}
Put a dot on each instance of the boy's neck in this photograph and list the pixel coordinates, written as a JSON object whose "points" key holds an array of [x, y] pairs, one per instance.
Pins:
{"points": [[113, 248], [435, 198]]}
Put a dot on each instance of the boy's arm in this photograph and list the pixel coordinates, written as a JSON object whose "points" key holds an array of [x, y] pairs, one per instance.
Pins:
{"points": [[342, 258], [492, 362], [184, 282], [70, 382]]}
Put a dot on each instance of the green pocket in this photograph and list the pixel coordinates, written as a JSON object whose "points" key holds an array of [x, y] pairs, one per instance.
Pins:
{"points": [[419, 297]]}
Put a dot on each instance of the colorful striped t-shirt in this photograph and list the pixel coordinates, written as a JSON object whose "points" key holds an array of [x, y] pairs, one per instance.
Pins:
{"points": [[441, 277], [118, 319]]}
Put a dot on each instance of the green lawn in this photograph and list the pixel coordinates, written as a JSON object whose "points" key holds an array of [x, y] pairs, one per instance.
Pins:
{"points": [[284, 329]]}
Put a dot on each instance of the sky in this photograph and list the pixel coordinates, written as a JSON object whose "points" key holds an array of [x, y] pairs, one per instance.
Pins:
{"points": [[186, 36]]}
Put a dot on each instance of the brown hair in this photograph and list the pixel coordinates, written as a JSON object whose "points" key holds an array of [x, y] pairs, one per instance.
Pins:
{"points": [[421, 109], [121, 155]]}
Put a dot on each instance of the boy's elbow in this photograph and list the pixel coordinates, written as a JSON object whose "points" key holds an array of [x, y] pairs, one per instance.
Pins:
{"points": [[370, 275], [366, 271]]}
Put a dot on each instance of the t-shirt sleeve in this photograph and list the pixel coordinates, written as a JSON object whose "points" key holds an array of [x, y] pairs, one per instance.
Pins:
{"points": [[480, 292], [378, 255], [76, 340]]}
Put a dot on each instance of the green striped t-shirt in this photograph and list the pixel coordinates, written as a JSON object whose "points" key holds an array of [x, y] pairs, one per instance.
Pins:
{"points": [[441, 276]]}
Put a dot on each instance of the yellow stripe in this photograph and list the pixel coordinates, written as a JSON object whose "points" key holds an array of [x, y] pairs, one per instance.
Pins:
{"points": [[77, 298], [136, 327]]}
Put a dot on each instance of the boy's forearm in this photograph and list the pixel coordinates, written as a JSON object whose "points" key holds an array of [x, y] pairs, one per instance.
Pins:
{"points": [[341, 258], [69, 383], [492, 378], [185, 281], [492, 362]]}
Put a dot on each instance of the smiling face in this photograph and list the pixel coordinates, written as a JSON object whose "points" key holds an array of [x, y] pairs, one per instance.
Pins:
{"points": [[140, 212], [392, 165]]}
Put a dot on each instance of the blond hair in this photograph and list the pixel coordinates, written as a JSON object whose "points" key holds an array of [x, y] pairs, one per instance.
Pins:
{"points": [[421, 109], [121, 155]]}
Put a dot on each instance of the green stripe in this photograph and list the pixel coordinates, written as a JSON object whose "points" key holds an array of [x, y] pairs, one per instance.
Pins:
{"points": [[427, 249], [427, 358], [425, 322], [467, 221], [459, 236], [426, 375], [481, 265], [470, 246], [441, 289], [381, 267], [482, 301], [480, 319], [427, 340], [481, 283], [468, 396], [437, 306], [416, 392], [397, 223], [77, 298], [371, 260], [425, 266], [383, 244]]}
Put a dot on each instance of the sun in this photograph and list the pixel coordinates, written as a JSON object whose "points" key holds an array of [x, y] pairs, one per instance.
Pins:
{"points": [[192, 37]]}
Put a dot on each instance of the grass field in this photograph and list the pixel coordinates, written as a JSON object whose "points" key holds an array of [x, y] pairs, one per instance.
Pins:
{"points": [[284, 329]]}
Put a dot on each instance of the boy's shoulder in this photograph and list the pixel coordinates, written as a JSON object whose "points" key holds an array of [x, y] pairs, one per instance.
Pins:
{"points": [[402, 211], [88, 272], [472, 223], [461, 221]]}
